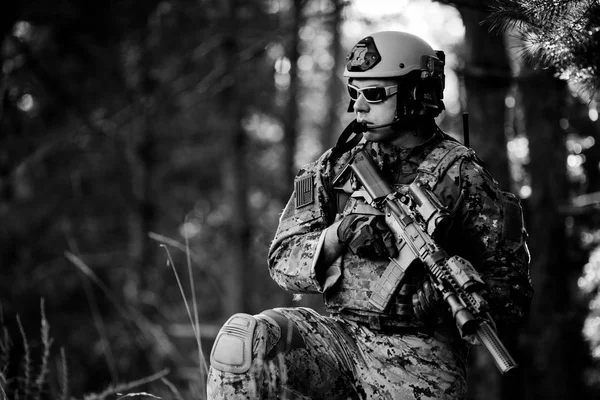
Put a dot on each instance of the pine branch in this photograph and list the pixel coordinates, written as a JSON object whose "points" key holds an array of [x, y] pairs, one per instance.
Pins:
{"points": [[561, 34]]}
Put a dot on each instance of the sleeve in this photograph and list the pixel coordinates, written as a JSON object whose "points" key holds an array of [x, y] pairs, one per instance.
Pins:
{"points": [[293, 254], [489, 231]]}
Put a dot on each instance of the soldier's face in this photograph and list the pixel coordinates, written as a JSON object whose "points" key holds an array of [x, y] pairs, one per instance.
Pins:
{"points": [[374, 112]]}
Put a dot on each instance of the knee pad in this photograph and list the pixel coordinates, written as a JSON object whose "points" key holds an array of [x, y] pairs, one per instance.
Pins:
{"points": [[232, 350]]}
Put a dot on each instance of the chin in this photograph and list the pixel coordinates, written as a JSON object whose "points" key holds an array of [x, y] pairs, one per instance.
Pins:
{"points": [[379, 135]]}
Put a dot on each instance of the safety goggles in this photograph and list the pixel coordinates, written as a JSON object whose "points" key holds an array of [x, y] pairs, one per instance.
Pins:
{"points": [[373, 94]]}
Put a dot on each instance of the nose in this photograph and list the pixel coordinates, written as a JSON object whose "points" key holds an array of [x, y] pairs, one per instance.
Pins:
{"points": [[361, 104]]}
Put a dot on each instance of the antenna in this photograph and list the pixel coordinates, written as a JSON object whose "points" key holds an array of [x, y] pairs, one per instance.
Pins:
{"points": [[465, 118]]}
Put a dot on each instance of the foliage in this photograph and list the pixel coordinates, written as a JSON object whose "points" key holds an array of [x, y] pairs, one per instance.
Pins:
{"points": [[116, 137], [589, 283], [31, 380], [562, 34], [26, 383]]}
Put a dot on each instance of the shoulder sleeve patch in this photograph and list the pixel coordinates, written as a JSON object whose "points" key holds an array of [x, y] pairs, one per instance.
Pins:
{"points": [[304, 191]]}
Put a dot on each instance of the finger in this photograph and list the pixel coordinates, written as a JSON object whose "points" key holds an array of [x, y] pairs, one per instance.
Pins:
{"points": [[424, 301], [417, 307], [390, 245], [379, 248], [435, 298], [429, 292], [436, 294], [380, 224]]}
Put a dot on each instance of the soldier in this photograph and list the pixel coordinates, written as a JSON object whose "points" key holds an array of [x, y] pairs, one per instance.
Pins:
{"points": [[330, 241]]}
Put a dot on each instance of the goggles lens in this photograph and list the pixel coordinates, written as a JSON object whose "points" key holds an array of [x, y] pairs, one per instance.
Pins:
{"points": [[373, 94]]}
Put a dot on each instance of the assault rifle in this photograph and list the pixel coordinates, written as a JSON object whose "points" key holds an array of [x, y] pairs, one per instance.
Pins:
{"points": [[413, 219]]}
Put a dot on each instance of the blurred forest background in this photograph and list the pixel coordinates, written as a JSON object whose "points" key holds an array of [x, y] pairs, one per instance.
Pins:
{"points": [[134, 132]]}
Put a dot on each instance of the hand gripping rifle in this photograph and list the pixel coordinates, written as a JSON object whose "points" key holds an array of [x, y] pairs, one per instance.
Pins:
{"points": [[412, 219]]}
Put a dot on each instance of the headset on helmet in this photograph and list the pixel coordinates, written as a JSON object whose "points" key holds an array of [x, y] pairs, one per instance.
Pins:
{"points": [[407, 58]]}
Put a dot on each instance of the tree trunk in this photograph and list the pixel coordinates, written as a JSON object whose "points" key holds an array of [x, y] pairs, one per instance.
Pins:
{"points": [[332, 125], [290, 120], [553, 335], [487, 78], [138, 148], [237, 262]]}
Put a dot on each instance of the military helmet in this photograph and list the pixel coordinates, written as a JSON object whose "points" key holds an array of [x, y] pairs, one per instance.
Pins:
{"points": [[393, 54], [389, 54]]}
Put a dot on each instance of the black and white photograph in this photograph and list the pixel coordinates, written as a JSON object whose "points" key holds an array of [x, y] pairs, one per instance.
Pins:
{"points": [[300, 200]]}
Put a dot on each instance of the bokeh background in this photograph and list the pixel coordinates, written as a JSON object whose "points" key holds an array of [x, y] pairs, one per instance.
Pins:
{"points": [[147, 149]]}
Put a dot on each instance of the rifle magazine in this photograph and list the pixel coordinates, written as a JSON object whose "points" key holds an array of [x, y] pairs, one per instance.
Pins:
{"points": [[386, 286]]}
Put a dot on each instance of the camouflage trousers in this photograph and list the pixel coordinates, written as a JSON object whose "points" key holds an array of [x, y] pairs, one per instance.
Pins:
{"points": [[300, 354]]}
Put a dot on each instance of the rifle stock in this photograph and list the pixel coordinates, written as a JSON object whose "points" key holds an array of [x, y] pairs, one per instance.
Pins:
{"points": [[412, 219]]}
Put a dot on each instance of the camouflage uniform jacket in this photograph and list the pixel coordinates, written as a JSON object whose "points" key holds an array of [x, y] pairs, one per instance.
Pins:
{"points": [[487, 230]]}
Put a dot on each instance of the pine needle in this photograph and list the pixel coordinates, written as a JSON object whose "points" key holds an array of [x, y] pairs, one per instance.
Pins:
{"points": [[559, 34]]}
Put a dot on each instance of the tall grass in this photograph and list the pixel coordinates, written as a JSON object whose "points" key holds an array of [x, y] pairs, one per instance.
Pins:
{"points": [[31, 381], [195, 323], [192, 311]]}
